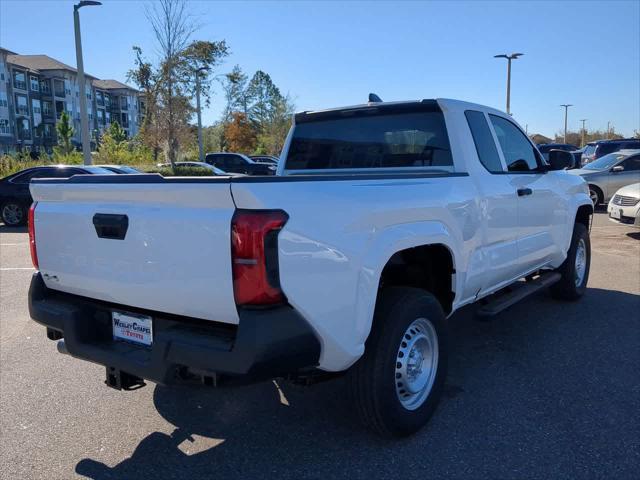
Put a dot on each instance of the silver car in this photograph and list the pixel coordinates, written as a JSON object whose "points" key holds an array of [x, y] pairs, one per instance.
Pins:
{"points": [[609, 173]]}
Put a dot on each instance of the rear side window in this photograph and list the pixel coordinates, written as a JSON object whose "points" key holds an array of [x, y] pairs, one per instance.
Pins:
{"points": [[485, 145], [371, 140], [632, 163], [519, 154], [606, 148]]}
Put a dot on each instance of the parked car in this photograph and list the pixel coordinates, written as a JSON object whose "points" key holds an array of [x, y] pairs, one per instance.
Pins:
{"points": [[239, 163], [264, 159], [545, 148], [121, 169], [206, 166], [577, 158], [610, 173], [624, 206], [15, 196], [597, 149], [406, 212]]}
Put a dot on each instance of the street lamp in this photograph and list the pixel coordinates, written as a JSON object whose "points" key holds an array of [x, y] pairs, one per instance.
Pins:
{"points": [[200, 146], [566, 109], [584, 131], [84, 120], [513, 56]]}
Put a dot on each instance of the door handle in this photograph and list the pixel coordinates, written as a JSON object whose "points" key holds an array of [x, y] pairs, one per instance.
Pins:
{"points": [[111, 226], [524, 191]]}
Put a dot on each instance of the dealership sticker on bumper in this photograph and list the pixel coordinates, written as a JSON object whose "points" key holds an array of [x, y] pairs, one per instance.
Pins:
{"points": [[132, 328]]}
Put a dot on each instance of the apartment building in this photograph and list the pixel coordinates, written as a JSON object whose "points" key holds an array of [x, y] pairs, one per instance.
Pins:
{"points": [[36, 89], [119, 102]]}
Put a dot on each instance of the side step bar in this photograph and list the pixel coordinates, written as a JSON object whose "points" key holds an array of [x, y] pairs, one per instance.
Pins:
{"points": [[519, 290]]}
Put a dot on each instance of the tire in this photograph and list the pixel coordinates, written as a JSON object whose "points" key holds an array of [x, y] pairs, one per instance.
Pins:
{"points": [[13, 214], [574, 279], [596, 195], [376, 380]]}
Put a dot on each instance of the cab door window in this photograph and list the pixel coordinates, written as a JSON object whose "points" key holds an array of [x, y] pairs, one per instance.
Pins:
{"points": [[519, 153]]}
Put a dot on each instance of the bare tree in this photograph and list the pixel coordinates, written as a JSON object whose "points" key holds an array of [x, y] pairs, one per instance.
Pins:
{"points": [[172, 26]]}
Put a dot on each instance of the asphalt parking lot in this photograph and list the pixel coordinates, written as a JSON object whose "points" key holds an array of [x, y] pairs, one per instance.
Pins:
{"points": [[545, 390]]}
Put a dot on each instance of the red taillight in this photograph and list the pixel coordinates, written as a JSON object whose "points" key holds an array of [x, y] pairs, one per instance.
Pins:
{"points": [[254, 253], [32, 235]]}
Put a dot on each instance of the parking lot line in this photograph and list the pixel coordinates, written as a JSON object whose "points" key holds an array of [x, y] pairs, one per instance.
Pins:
{"points": [[7, 269]]}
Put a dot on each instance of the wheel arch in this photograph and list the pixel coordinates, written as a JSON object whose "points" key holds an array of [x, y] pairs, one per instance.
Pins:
{"points": [[430, 236]]}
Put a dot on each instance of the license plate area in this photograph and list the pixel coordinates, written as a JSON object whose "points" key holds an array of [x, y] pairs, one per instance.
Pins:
{"points": [[615, 213], [132, 327]]}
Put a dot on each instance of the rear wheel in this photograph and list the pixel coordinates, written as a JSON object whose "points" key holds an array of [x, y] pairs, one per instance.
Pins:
{"points": [[575, 269], [397, 383], [13, 214]]}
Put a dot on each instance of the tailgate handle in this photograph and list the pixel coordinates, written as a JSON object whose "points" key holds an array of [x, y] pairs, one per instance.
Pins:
{"points": [[112, 226]]}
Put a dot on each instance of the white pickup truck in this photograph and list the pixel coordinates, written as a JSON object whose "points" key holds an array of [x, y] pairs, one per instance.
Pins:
{"points": [[383, 220]]}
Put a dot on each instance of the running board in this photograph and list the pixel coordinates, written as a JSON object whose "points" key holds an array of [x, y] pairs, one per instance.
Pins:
{"points": [[519, 290]]}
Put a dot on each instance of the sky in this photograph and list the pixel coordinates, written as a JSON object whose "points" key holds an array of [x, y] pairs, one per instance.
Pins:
{"points": [[331, 54]]}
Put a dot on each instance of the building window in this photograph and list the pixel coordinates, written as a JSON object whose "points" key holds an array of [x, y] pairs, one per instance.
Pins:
{"points": [[47, 130], [47, 108], [35, 84], [3, 100], [4, 126], [58, 88], [19, 80], [124, 104], [69, 108], [99, 99], [67, 87], [107, 117], [59, 108], [107, 100], [45, 86], [35, 106], [100, 115], [124, 120], [24, 129], [22, 107]]}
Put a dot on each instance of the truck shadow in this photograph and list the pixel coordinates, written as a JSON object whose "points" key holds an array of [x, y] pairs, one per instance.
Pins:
{"points": [[525, 361]]}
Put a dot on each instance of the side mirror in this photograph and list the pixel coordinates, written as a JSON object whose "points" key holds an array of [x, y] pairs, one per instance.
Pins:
{"points": [[618, 168], [560, 159]]}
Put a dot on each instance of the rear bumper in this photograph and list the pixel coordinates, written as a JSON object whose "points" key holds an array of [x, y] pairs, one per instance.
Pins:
{"points": [[266, 343]]}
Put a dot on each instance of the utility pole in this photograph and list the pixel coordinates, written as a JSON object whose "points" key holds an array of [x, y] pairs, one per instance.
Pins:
{"points": [[513, 56], [608, 129], [200, 145], [566, 109], [584, 131], [84, 120]]}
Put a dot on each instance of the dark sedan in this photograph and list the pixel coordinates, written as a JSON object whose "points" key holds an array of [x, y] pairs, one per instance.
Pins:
{"points": [[15, 197], [239, 163]]}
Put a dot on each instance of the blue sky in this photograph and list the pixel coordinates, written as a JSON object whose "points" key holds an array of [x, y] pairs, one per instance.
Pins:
{"points": [[327, 54]]}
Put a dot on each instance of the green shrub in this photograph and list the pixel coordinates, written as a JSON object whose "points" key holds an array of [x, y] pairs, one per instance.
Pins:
{"points": [[10, 164]]}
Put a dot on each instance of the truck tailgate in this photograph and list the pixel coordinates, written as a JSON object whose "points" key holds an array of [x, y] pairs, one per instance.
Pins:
{"points": [[175, 256]]}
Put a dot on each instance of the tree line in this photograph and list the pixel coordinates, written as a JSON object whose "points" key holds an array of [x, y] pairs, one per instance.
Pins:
{"points": [[256, 114]]}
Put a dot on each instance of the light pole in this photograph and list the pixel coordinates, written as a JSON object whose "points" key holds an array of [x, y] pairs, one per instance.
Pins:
{"points": [[84, 120], [513, 56], [566, 109], [584, 131], [200, 146]]}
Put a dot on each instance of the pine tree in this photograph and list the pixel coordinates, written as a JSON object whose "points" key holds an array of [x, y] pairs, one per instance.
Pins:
{"points": [[65, 132]]}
